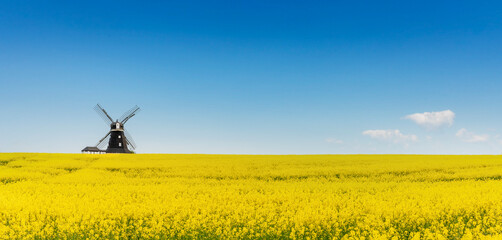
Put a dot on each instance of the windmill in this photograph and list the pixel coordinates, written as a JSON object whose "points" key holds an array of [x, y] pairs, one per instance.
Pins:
{"points": [[118, 139]]}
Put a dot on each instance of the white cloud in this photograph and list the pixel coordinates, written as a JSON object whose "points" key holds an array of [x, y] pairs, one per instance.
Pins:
{"points": [[471, 137], [334, 140], [394, 136], [432, 120]]}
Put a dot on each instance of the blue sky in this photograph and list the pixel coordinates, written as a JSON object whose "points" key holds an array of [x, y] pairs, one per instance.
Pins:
{"points": [[271, 77]]}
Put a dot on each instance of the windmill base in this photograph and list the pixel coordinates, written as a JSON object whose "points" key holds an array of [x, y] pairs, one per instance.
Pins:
{"points": [[117, 150]]}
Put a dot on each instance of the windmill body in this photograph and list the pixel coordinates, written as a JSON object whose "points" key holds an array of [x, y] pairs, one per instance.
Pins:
{"points": [[117, 142], [118, 139]]}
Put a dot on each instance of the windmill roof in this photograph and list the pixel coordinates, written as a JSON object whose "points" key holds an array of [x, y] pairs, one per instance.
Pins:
{"points": [[92, 149]]}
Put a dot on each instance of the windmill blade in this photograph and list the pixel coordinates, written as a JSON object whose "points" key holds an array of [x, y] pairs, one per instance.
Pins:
{"points": [[129, 139], [102, 142], [129, 114], [103, 114], [130, 145]]}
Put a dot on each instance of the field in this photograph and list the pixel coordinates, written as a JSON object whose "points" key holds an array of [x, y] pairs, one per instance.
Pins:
{"points": [[78, 196]]}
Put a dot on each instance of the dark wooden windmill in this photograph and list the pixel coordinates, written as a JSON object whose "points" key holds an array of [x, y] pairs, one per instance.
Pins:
{"points": [[118, 139]]}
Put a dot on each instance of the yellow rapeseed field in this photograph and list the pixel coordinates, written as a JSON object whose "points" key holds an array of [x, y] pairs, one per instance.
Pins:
{"points": [[149, 196]]}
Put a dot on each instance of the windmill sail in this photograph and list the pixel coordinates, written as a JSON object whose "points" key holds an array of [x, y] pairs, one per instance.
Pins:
{"points": [[129, 114], [129, 139], [103, 142], [103, 114]]}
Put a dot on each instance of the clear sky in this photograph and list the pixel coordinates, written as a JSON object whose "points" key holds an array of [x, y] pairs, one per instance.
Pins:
{"points": [[272, 77]]}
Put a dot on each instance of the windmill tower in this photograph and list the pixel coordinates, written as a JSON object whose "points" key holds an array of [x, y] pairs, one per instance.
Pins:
{"points": [[118, 139]]}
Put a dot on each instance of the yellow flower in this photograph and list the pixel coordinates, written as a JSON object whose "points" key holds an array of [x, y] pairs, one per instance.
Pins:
{"points": [[159, 196]]}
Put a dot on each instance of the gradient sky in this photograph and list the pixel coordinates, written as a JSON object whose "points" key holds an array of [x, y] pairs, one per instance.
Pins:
{"points": [[271, 77]]}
